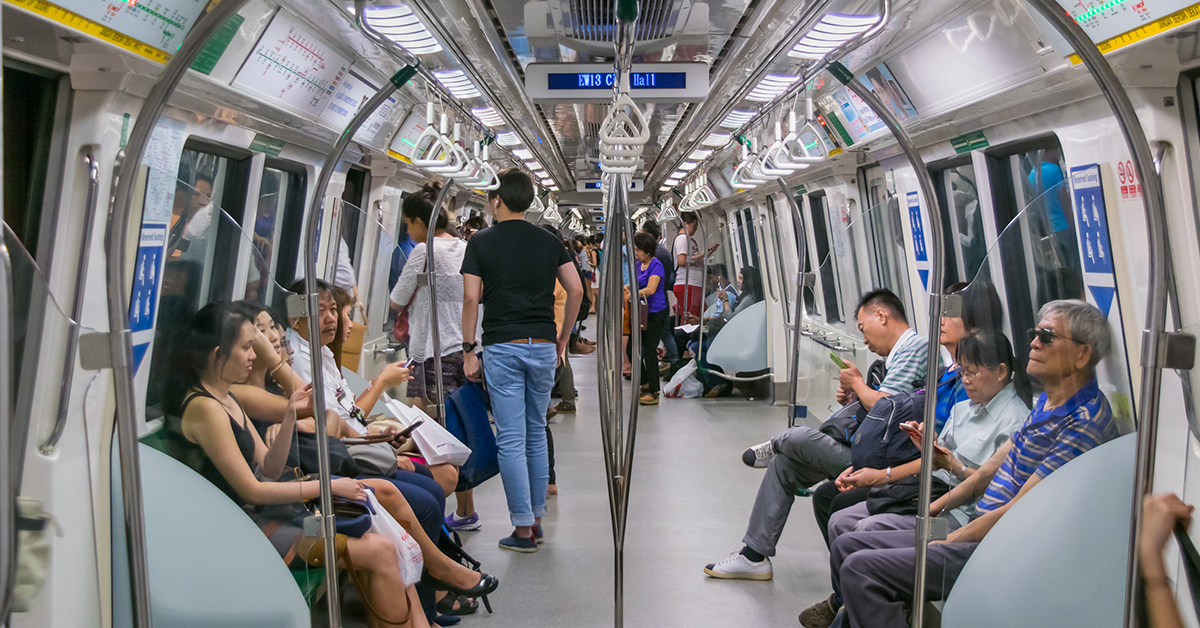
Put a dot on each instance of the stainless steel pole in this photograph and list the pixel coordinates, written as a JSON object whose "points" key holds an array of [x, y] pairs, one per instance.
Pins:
{"points": [[314, 328], [936, 278], [121, 345], [801, 258], [431, 277], [1155, 338], [89, 218], [8, 488]]}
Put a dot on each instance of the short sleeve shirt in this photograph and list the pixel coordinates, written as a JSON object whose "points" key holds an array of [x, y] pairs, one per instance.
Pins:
{"points": [[691, 273], [656, 302], [906, 363], [1048, 440], [518, 264]]}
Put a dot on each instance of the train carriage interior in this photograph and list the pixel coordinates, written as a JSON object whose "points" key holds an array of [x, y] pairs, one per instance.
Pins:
{"points": [[785, 224]]}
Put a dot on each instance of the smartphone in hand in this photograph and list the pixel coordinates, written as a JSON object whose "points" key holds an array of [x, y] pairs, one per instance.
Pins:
{"points": [[409, 430], [841, 364], [409, 363]]}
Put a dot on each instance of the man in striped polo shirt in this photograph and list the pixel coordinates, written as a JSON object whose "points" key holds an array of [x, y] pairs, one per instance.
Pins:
{"points": [[874, 569], [800, 457]]}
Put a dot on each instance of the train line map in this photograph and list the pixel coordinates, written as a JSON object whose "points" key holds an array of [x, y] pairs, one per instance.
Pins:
{"points": [[293, 66], [152, 28], [1106, 19]]}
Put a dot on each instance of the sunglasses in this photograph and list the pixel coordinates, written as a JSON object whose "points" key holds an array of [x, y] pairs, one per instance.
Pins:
{"points": [[1046, 336]]}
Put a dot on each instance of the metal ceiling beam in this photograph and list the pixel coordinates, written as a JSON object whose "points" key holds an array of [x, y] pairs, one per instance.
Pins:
{"points": [[729, 80], [481, 47]]}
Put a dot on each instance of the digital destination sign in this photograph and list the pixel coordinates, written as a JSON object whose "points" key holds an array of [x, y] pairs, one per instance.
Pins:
{"points": [[604, 80]]}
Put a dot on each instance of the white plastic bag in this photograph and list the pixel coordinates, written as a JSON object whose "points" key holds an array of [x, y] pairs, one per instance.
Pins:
{"points": [[407, 550], [437, 446], [684, 383]]}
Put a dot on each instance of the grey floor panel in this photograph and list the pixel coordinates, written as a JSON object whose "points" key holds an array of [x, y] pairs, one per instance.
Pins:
{"points": [[689, 503]]}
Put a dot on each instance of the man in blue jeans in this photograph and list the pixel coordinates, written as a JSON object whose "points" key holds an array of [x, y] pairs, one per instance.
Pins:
{"points": [[510, 267]]}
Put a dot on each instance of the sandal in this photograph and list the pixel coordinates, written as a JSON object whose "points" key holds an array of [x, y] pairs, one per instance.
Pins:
{"points": [[457, 604]]}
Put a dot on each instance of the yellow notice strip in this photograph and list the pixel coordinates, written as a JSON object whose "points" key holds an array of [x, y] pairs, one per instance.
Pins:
{"points": [[1159, 26], [397, 156], [83, 24]]}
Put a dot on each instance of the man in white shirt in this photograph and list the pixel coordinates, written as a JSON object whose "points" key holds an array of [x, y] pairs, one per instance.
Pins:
{"points": [[689, 268]]}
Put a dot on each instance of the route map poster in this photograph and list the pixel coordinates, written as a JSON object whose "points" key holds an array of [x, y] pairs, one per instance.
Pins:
{"points": [[293, 66]]}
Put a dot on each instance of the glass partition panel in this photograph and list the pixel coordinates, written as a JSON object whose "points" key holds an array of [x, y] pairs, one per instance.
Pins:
{"points": [[57, 409]]}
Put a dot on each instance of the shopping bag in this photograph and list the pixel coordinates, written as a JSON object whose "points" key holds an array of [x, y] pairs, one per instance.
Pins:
{"points": [[437, 446], [467, 419], [407, 550], [684, 382]]}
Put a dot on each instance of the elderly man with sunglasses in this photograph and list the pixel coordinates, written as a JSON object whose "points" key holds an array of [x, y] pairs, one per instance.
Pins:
{"points": [[874, 569]]}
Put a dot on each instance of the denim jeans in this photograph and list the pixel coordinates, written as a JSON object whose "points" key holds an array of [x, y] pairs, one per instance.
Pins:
{"points": [[519, 378]]}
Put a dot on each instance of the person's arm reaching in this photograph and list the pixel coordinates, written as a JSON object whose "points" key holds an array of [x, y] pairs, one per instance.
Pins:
{"points": [[570, 282], [1162, 513], [472, 289], [392, 375]]}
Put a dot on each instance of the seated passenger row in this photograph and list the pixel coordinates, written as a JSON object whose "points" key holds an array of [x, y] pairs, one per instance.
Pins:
{"points": [[233, 370], [991, 449]]}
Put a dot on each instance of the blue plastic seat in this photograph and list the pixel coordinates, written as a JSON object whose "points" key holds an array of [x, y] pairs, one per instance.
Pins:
{"points": [[210, 566], [741, 345], [1056, 559]]}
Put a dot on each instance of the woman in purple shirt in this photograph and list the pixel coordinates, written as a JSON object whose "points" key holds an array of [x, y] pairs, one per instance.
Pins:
{"points": [[651, 283]]}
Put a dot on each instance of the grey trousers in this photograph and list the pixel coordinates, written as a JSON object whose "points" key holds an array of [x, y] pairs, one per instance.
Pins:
{"points": [[877, 574], [803, 457], [858, 519]]}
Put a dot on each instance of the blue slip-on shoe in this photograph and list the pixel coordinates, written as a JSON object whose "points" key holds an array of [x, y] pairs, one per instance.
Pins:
{"points": [[515, 543]]}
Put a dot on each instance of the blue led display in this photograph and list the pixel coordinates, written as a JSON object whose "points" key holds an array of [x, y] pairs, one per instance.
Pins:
{"points": [[604, 80]]}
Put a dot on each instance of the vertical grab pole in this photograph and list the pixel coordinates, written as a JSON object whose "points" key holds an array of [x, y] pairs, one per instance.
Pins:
{"points": [[120, 338], [314, 326], [1155, 339], [431, 278], [8, 488], [801, 258], [704, 285], [936, 278]]}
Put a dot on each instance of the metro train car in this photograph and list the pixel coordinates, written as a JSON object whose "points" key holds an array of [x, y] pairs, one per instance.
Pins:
{"points": [[924, 270]]}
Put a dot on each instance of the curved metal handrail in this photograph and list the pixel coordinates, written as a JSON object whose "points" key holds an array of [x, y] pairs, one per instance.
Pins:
{"points": [[314, 326], [120, 337], [46, 447], [798, 316]]}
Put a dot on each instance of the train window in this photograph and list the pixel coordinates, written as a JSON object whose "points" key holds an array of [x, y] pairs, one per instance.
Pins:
{"points": [[810, 306], [750, 251], [277, 225], [819, 214], [30, 98], [354, 199], [962, 222], [784, 271], [1038, 245], [888, 261]]}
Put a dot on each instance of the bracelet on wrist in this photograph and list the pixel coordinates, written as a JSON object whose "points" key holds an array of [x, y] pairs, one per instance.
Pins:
{"points": [[276, 367]]}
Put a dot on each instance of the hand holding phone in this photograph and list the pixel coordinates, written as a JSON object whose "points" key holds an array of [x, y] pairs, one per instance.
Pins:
{"points": [[409, 363], [409, 430], [841, 364]]}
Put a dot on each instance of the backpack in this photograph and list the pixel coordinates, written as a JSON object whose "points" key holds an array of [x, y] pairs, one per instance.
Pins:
{"points": [[467, 419], [842, 424], [879, 442]]}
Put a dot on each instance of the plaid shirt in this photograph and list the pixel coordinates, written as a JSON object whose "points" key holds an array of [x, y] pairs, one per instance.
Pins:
{"points": [[1048, 440]]}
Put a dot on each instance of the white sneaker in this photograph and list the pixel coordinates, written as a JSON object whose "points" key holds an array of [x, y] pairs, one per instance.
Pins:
{"points": [[738, 567], [759, 456]]}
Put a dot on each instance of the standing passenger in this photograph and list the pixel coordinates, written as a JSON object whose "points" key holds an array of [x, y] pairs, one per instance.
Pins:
{"points": [[651, 284], [511, 268], [689, 268]]}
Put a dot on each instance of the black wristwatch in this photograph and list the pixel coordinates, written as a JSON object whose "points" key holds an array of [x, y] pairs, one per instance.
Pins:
{"points": [[468, 347]]}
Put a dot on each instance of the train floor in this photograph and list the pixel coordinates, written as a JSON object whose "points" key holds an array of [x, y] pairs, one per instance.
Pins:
{"points": [[689, 502]]}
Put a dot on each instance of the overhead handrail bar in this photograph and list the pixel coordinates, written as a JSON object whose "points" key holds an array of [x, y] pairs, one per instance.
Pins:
{"points": [[119, 336], [46, 447], [1156, 341], [309, 306]]}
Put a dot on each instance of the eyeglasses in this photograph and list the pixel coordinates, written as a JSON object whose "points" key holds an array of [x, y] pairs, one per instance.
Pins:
{"points": [[1045, 335], [971, 375]]}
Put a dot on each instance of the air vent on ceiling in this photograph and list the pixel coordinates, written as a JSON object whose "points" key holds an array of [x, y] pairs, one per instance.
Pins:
{"points": [[589, 25]]}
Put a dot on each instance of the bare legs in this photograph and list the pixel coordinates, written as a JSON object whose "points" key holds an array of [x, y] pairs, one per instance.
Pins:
{"points": [[446, 475], [439, 565], [375, 558], [466, 503]]}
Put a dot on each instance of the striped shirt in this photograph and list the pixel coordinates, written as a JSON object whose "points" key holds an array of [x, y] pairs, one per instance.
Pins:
{"points": [[1048, 440], [905, 363]]}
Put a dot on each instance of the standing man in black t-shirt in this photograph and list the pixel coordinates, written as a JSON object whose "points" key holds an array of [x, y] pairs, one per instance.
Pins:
{"points": [[510, 267]]}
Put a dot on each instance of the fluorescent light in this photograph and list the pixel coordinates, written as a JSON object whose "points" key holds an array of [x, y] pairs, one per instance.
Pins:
{"points": [[736, 119], [533, 165], [508, 138], [688, 165], [671, 182], [547, 181], [541, 174], [553, 188], [487, 116], [700, 154], [770, 87], [523, 153], [457, 82], [665, 188], [717, 140], [833, 30], [398, 24], [679, 174]]}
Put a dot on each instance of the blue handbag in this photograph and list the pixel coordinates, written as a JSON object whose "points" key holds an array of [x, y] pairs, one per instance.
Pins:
{"points": [[467, 419], [352, 516]]}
